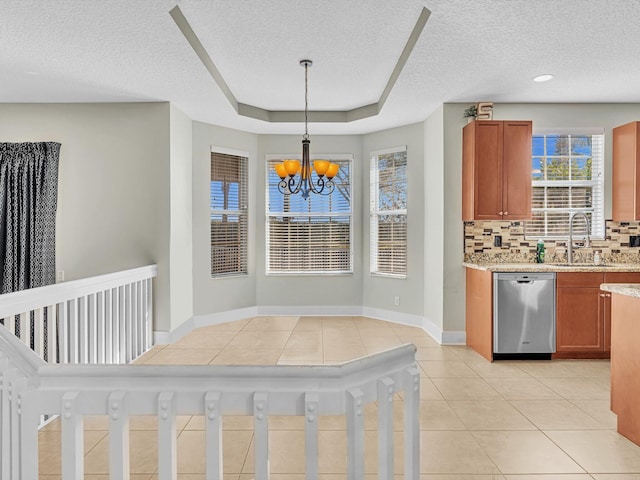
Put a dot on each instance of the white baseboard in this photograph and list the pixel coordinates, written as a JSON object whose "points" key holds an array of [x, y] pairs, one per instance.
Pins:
{"points": [[319, 311], [224, 317], [408, 319]]}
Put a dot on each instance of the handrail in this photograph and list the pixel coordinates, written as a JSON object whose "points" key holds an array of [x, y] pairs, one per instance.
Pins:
{"points": [[15, 303], [30, 387], [103, 319]]}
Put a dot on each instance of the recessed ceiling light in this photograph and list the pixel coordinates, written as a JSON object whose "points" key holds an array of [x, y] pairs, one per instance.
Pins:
{"points": [[543, 78], [32, 73]]}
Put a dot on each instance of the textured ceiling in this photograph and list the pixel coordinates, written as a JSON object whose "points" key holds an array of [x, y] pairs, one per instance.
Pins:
{"points": [[470, 50]]}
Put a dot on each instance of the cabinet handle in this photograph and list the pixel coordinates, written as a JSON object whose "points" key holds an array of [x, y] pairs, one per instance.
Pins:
{"points": [[506, 213], [603, 294], [500, 213]]}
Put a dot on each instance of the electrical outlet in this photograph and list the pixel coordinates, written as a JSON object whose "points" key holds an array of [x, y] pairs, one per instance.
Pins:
{"points": [[396, 301], [634, 240], [60, 276], [497, 241]]}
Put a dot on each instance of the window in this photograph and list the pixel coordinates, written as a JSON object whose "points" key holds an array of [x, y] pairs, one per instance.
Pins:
{"points": [[228, 194], [388, 212], [567, 177], [312, 236]]}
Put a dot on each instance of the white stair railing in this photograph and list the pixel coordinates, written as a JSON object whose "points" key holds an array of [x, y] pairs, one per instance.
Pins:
{"points": [[31, 388], [104, 319]]}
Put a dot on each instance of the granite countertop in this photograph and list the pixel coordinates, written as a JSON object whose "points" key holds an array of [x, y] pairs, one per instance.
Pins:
{"points": [[551, 267], [629, 289]]}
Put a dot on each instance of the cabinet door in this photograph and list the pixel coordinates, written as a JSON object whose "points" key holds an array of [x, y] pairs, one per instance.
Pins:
{"points": [[579, 322], [625, 182], [516, 165], [488, 173], [613, 277]]}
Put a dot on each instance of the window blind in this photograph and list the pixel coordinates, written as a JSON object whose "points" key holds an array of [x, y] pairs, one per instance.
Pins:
{"points": [[228, 197], [388, 212], [567, 177], [312, 236]]}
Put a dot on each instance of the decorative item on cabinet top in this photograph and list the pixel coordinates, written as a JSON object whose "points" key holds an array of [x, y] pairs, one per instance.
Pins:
{"points": [[479, 111]]}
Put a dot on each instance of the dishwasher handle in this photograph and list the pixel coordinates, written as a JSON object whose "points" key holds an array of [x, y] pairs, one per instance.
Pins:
{"points": [[528, 282]]}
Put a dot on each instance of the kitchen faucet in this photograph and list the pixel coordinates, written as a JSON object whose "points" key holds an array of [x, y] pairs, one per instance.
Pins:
{"points": [[570, 243]]}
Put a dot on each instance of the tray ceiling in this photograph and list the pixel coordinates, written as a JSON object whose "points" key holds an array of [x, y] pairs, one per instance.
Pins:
{"points": [[123, 51]]}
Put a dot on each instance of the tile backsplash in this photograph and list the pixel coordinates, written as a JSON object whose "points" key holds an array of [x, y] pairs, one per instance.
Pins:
{"points": [[479, 244]]}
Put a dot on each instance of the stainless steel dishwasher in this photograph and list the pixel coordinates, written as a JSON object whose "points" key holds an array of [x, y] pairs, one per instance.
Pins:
{"points": [[524, 313]]}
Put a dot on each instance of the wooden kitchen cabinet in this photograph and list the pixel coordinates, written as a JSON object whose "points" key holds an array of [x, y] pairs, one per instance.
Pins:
{"points": [[496, 170], [583, 313], [625, 183], [479, 312], [613, 277], [579, 315]]}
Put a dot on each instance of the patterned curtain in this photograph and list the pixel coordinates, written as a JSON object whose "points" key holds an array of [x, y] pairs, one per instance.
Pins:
{"points": [[28, 201]]}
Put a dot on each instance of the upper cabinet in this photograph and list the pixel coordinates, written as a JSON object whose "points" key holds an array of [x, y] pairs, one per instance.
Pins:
{"points": [[626, 173], [496, 170]]}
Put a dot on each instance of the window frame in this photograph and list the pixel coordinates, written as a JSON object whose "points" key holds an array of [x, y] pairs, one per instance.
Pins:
{"points": [[597, 184], [241, 212], [341, 157], [375, 212]]}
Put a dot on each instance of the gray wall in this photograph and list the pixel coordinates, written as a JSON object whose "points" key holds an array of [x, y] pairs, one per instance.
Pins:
{"points": [[379, 292], [181, 231], [433, 185], [221, 294], [313, 290], [113, 193], [544, 116]]}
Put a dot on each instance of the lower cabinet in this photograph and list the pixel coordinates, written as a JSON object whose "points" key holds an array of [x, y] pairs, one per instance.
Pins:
{"points": [[583, 314]]}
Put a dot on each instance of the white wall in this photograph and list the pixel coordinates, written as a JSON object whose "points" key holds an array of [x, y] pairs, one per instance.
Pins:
{"points": [[544, 116], [113, 187], [313, 290], [217, 295], [380, 292], [181, 231]]}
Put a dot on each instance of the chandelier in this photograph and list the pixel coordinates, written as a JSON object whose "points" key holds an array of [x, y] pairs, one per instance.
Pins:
{"points": [[296, 178]]}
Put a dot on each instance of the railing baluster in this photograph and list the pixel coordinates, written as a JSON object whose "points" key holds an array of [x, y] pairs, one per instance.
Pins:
{"points": [[355, 433], [122, 321], [117, 346], [140, 349], [29, 420], [74, 334], [17, 385], [109, 344], [411, 383], [52, 334], [63, 336], [134, 320], [261, 435], [385, 428], [128, 302], [6, 452], [92, 329], [118, 436], [38, 332], [149, 313], [25, 330], [167, 450], [311, 411], [213, 439], [100, 328], [10, 323], [72, 438], [83, 328]]}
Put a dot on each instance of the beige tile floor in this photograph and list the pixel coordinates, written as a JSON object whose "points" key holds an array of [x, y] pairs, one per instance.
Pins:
{"points": [[509, 420]]}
